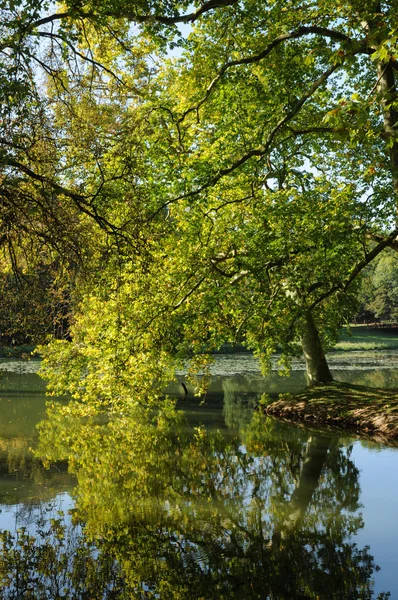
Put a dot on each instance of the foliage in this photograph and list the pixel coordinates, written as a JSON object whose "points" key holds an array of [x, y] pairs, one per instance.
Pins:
{"points": [[243, 181], [379, 290], [55, 562], [190, 513]]}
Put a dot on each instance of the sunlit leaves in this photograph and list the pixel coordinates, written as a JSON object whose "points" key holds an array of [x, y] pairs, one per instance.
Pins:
{"points": [[239, 179]]}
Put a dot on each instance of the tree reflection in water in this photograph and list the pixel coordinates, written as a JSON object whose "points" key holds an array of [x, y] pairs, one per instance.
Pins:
{"points": [[264, 512]]}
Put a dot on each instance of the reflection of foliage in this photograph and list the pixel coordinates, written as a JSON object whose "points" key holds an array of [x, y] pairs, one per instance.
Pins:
{"points": [[22, 476], [56, 562], [237, 403], [59, 562], [193, 514]]}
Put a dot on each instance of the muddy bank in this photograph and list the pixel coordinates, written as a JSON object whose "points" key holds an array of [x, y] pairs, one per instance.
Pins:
{"points": [[371, 411]]}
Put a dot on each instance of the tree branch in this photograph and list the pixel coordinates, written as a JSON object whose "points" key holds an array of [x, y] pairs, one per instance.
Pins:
{"points": [[389, 240], [298, 33], [259, 152], [135, 18], [378, 238], [79, 200], [188, 294], [85, 58], [317, 130]]}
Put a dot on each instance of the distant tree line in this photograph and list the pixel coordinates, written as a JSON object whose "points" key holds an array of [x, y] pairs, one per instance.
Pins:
{"points": [[36, 305], [378, 294]]}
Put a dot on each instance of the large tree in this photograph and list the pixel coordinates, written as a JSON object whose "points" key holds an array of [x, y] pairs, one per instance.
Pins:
{"points": [[268, 166]]}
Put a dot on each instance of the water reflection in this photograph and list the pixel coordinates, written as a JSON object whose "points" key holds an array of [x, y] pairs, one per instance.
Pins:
{"points": [[22, 477], [267, 511], [166, 508], [383, 378]]}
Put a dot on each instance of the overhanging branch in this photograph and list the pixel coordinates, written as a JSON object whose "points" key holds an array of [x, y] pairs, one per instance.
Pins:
{"points": [[255, 58], [80, 201], [258, 152], [389, 240], [136, 18]]}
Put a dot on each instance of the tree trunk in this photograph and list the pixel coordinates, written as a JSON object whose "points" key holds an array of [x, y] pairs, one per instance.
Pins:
{"points": [[317, 450], [316, 365], [386, 86], [314, 462]]}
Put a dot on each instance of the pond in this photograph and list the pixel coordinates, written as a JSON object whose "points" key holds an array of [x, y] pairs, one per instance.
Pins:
{"points": [[214, 501]]}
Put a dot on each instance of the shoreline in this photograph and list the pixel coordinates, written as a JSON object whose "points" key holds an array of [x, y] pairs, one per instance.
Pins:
{"points": [[365, 411]]}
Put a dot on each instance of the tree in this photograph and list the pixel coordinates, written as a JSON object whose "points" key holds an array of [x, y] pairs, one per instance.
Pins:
{"points": [[269, 162]]}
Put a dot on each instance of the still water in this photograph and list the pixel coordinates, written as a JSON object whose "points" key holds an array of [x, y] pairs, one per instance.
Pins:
{"points": [[214, 501]]}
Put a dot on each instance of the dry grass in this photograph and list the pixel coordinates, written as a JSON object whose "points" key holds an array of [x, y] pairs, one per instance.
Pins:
{"points": [[371, 411]]}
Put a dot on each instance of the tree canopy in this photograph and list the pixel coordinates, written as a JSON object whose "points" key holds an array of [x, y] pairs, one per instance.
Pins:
{"points": [[243, 157]]}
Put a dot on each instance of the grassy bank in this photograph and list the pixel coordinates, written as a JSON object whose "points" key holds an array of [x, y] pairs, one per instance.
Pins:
{"points": [[371, 411], [363, 337], [358, 337]]}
